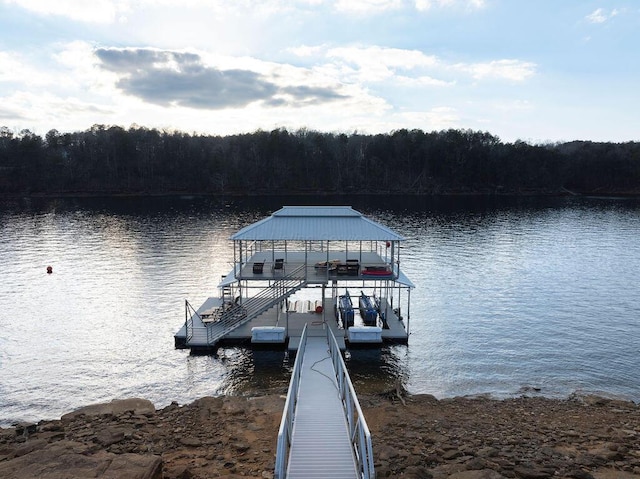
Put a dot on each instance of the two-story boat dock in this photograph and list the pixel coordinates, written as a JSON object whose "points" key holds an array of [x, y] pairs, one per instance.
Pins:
{"points": [[325, 266]]}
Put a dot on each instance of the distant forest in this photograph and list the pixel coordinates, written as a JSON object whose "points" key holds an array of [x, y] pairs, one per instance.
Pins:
{"points": [[108, 160]]}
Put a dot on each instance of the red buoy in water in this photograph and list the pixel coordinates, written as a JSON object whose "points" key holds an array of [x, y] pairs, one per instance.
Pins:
{"points": [[49, 270]]}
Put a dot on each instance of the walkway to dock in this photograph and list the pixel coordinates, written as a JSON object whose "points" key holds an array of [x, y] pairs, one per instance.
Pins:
{"points": [[323, 431], [320, 445]]}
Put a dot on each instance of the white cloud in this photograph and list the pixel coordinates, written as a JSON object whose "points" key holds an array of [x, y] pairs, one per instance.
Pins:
{"points": [[307, 51], [14, 69], [514, 70], [422, 80], [424, 5], [390, 57], [367, 6], [373, 64], [94, 11], [601, 15], [44, 108], [80, 69]]}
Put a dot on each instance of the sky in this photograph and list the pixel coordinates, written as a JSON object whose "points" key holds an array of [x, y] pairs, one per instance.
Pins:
{"points": [[532, 70]]}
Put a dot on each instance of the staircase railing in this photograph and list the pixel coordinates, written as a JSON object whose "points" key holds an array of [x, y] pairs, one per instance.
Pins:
{"points": [[358, 429], [286, 424], [236, 316]]}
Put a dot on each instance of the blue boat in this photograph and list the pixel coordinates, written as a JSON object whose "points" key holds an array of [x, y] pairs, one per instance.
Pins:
{"points": [[346, 310], [368, 310]]}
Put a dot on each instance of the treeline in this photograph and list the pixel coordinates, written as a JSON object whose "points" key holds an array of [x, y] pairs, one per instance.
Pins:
{"points": [[114, 160]]}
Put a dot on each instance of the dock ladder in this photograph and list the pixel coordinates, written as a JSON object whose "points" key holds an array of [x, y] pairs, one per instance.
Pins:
{"points": [[323, 433]]}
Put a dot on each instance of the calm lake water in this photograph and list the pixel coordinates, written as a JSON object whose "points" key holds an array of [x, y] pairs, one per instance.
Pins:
{"points": [[514, 296]]}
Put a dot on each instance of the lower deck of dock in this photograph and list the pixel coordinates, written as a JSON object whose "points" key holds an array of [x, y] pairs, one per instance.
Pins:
{"points": [[293, 323]]}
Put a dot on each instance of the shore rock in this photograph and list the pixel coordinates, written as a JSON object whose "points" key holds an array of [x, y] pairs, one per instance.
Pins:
{"points": [[115, 407], [414, 437]]}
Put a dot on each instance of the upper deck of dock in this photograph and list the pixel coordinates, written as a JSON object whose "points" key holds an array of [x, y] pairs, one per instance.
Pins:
{"points": [[331, 242]]}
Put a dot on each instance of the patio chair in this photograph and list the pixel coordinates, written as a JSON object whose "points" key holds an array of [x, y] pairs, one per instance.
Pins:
{"points": [[278, 265], [257, 267]]}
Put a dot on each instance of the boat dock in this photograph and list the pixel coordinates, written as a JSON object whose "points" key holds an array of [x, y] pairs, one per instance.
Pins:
{"points": [[290, 270]]}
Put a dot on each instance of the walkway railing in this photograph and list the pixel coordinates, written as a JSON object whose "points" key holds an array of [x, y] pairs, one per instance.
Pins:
{"points": [[286, 424], [359, 434], [358, 429]]}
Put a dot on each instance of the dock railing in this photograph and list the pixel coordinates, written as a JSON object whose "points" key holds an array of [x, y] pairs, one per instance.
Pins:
{"points": [[358, 429], [189, 313], [254, 305], [286, 424]]}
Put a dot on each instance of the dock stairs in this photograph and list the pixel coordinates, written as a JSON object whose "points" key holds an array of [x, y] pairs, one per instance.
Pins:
{"points": [[236, 315], [323, 433]]}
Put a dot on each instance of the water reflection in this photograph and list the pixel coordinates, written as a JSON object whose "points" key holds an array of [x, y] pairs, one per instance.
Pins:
{"points": [[375, 371], [255, 371]]}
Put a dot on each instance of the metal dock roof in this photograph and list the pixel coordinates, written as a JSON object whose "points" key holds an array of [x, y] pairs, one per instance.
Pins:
{"points": [[316, 223]]}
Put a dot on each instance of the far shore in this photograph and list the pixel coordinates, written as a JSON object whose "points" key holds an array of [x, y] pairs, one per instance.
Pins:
{"points": [[633, 193]]}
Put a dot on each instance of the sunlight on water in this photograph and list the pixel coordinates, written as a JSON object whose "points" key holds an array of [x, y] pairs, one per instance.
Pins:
{"points": [[512, 296]]}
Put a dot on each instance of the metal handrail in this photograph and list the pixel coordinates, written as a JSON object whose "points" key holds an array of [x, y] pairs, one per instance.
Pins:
{"points": [[255, 305], [358, 429], [189, 313], [286, 424]]}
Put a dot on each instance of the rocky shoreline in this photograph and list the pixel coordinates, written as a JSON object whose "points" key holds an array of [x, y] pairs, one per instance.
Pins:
{"points": [[414, 437]]}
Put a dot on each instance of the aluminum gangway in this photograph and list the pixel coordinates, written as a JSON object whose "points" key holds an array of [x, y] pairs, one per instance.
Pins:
{"points": [[323, 433]]}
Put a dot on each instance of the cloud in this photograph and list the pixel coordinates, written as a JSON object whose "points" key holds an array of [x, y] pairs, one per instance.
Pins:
{"points": [[368, 6], [10, 114], [390, 57], [600, 15], [44, 107], [513, 70], [170, 78], [424, 5], [111, 11], [376, 64], [95, 11], [11, 69]]}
